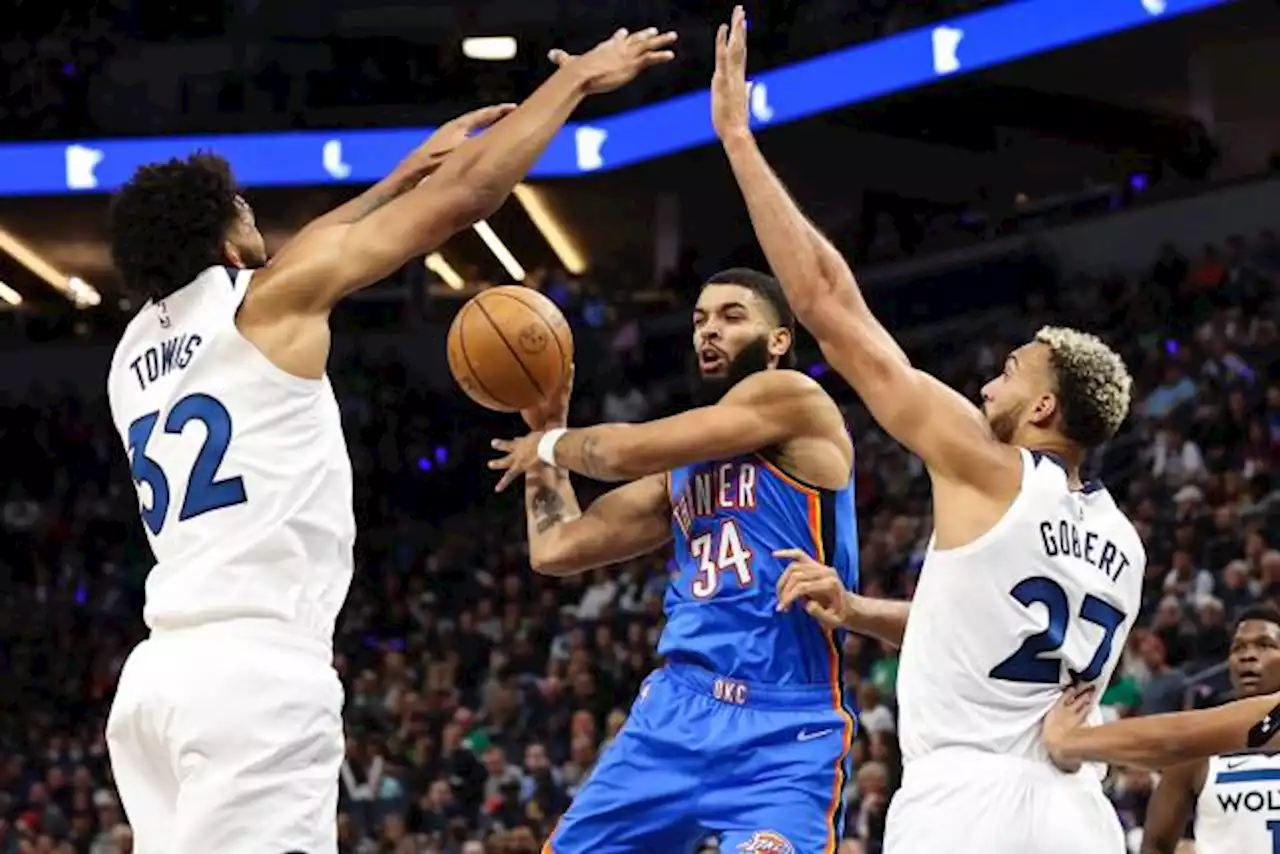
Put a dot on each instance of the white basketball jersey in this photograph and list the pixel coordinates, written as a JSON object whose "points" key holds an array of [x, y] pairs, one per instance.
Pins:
{"points": [[1000, 625], [1238, 811], [242, 471]]}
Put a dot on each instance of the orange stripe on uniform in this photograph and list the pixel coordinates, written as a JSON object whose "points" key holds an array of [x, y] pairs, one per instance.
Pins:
{"points": [[837, 700], [791, 481]]}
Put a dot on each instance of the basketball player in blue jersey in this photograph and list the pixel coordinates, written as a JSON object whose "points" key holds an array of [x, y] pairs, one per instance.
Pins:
{"points": [[744, 734]]}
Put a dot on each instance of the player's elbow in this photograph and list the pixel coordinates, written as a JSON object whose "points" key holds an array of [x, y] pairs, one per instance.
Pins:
{"points": [[558, 560]]}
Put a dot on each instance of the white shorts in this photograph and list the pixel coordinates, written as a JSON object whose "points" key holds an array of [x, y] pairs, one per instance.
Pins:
{"points": [[228, 738], [961, 801]]}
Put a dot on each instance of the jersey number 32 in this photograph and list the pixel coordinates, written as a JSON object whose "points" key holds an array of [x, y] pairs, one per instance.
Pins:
{"points": [[205, 491], [1036, 661]]}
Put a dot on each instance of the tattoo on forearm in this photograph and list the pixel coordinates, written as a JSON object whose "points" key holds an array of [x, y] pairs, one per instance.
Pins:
{"points": [[548, 508]]}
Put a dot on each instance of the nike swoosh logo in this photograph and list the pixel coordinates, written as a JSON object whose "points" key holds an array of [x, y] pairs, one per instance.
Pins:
{"points": [[805, 735], [1231, 766]]}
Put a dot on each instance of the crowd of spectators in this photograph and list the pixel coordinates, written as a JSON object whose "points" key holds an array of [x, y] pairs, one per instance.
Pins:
{"points": [[480, 695]]}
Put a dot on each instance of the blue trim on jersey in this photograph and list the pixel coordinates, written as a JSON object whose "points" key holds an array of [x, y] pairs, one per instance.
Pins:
{"points": [[1088, 487], [1250, 775]]}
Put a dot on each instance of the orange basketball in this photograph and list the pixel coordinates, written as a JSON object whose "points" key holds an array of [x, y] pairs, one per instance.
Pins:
{"points": [[510, 348]]}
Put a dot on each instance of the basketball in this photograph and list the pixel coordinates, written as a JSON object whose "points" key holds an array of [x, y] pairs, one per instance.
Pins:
{"points": [[510, 348]]}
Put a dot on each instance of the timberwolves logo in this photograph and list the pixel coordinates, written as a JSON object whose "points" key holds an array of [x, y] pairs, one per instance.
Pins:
{"points": [[767, 842]]}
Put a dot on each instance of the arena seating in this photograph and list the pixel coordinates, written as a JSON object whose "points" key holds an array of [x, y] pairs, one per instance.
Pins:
{"points": [[479, 695]]}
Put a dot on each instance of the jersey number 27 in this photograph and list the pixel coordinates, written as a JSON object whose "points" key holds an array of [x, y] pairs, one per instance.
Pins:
{"points": [[205, 491], [1036, 660]]}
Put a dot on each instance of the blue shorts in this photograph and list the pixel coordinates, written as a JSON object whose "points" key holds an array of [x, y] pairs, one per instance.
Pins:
{"points": [[761, 767]]}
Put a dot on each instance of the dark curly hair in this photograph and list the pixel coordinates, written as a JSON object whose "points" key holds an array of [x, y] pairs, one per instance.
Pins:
{"points": [[169, 222]]}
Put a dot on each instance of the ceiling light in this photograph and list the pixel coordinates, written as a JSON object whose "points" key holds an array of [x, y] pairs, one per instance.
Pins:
{"points": [[551, 229], [489, 48], [500, 251]]}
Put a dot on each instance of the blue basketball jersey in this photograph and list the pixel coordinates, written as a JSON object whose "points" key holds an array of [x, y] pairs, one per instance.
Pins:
{"points": [[744, 735], [728, 517]]}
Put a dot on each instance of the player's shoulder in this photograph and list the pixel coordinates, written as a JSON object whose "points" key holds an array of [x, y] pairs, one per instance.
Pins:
{"points": [[779, 384]]}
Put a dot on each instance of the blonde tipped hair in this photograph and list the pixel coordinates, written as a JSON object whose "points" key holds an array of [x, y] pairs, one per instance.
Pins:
{"points": [[1094, 386]]}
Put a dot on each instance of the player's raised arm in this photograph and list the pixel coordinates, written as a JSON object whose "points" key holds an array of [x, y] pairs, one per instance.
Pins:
{"points": [[931, 419], [1158, 741], [410, 172], [471, 183], [759, 412]]}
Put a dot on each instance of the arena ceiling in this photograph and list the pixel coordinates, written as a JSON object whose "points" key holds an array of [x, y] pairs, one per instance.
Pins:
{"points": [[1097, 112]]}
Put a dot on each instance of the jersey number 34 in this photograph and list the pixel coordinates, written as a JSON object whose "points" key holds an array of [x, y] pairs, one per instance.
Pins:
{"points": [[205, 491], [1036, 661]]}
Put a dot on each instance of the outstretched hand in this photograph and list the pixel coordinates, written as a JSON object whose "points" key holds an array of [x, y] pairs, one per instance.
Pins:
{"points": [[730, 92], [617, 61], [520, 455], [451, 134]]}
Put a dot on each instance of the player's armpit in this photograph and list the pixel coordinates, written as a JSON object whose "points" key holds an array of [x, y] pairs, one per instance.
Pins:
{"points": [[761, 411], [1159, 741], [626, 522], [1170, 808]]}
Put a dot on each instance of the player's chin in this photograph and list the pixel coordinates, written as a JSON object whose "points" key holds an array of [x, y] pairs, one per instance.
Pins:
{"points": [[1249, 684]]}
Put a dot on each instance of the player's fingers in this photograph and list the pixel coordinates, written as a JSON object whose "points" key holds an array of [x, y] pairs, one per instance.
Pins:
{"points": [[502, 462], [502, 444], [738, 38], [620, 33], [558, 56], [823, 615], [507, 476], [642, 36], [722, 38], [799, 588], [655, 40], [657, 58], [794, 555]]}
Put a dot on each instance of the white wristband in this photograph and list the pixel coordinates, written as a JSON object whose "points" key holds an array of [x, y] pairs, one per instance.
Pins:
{"points": [[547, 445]]}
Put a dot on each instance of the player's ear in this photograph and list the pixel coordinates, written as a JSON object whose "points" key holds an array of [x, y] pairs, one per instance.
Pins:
{"points": [[1044, 409], [232, 254], [780, 341]]}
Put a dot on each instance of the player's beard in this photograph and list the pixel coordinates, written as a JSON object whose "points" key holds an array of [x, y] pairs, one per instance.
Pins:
{"points": [[752, 358], [1004, 424]]}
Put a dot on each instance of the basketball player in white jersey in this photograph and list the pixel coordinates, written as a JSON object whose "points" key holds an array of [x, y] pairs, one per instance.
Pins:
{"points": [[226, 732], [1235, 798], [1033, 577]]}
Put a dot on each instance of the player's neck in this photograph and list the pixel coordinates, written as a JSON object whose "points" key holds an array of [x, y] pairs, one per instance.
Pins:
{"points": [[1066, 455]]}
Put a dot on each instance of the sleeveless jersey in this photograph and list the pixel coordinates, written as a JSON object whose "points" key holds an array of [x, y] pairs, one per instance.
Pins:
{"points": [[1000, 625], [727, 518], [242, 471], [1238, 811]]}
